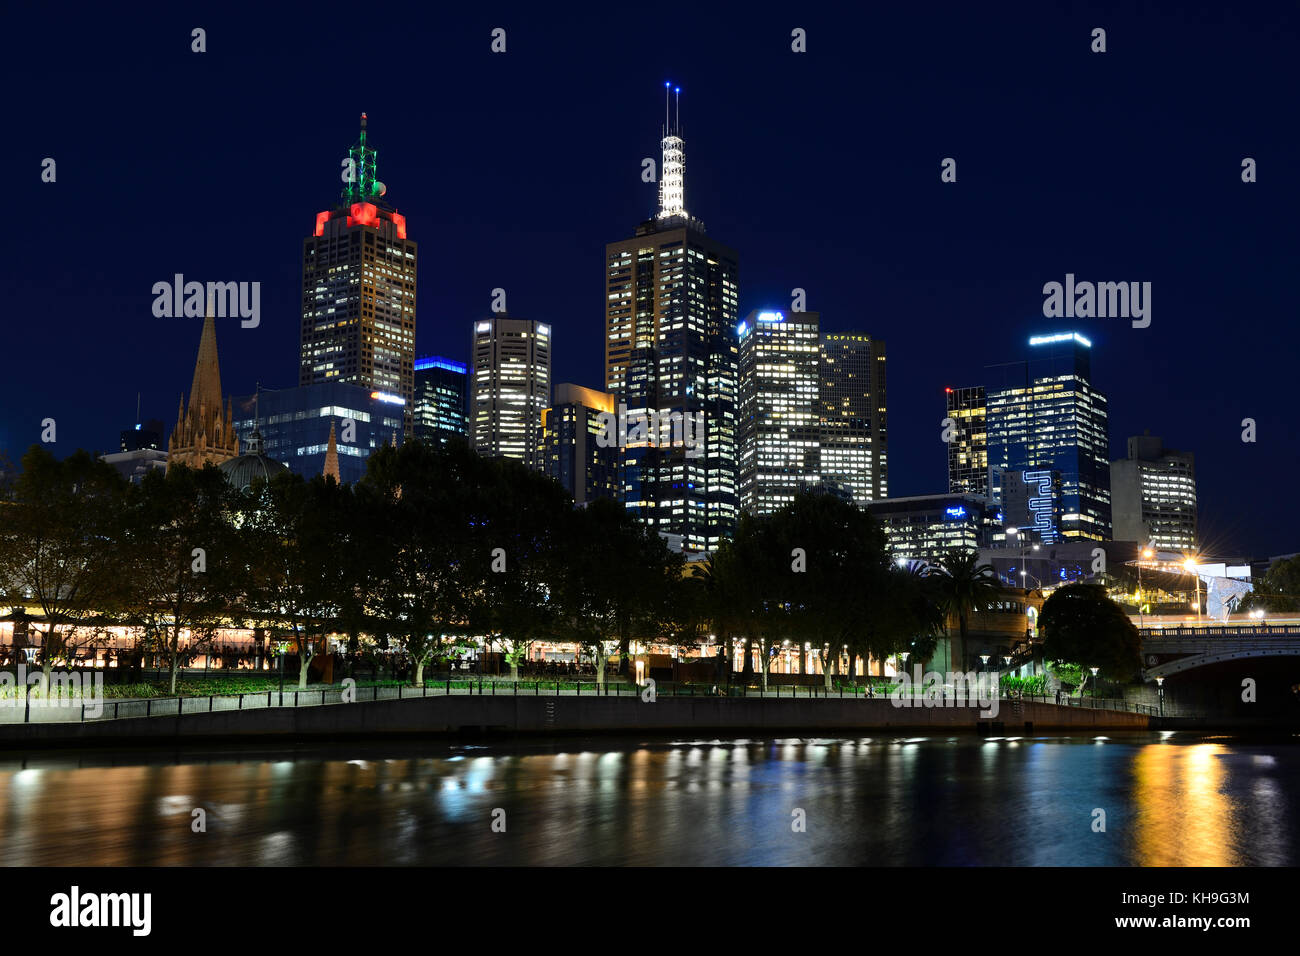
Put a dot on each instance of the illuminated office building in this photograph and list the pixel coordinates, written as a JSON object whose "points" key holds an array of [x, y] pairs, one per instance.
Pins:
{"points": [[358, 290], [1047, 423], [511, 386], [1153, 496], [778, 426], [968, 444], [672, 303], [295, 426], [572, 452], [924, 527], [854, 437], [441, 399]]}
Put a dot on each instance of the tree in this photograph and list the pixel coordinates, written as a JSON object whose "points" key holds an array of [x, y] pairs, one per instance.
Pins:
{"points": [[424, 506], [57, 545], [517, 555], [616, 573], [296, 538], [1082, 626], [181, 566], [965, 587], [1277, 591]]}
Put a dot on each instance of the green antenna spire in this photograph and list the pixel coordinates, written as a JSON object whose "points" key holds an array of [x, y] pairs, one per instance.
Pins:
{"points": [[365, 185]]}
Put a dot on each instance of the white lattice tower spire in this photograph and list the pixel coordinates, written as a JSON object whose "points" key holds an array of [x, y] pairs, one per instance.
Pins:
{"points": [[672, 181]]}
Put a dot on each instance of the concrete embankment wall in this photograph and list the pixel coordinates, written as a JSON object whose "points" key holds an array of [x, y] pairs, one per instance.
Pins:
{"points": [[554, 715]]}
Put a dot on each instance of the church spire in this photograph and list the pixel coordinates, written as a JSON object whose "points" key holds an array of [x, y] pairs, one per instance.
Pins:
{"points": [[206, 387], [332, 456], [205, 430]]}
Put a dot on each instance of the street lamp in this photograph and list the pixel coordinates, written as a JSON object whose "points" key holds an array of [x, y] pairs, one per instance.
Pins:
{"points": [[1160, 686], [1191, 567], [1148, 554], [1094, 682]]}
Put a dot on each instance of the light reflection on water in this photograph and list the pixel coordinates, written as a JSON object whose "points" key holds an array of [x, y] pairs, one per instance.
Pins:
{"points": [[1168, 801]]}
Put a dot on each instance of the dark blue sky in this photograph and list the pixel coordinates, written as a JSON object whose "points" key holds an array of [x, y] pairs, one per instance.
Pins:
{"points": [[821, 169]]}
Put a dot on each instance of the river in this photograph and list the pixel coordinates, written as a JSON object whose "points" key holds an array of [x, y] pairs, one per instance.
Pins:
{"points": [[1167, 799]]}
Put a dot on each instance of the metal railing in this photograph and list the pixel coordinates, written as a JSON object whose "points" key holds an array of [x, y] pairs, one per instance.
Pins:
{"points": [[65, 710]]}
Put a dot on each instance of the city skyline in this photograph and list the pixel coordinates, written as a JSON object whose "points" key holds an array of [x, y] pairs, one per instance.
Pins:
{"points": [[946, 306]]}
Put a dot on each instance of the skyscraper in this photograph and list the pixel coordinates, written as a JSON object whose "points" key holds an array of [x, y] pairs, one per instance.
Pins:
{"points": [[441, 399], [1047, 422], [358, 289], [778, 417], [854, 419], [511, 386], [1153, 495], [204, 431], [968, 447], [573, 454], [672, 302]]}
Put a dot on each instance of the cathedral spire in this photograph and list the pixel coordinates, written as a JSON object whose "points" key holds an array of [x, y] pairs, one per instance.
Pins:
{"points": [[206, 387], [332, 456], [205, 430]]}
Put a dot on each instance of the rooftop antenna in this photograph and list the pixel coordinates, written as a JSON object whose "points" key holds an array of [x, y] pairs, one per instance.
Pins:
{"points": [[672, 173], [137, 408], [677, 122]]}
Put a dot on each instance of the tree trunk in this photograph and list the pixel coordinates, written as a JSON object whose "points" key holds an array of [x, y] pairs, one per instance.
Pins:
{"points": [[419, 673], [600, 668], [173, 649], [828, 666], [624, 645], [748, 670], [961, 627]]}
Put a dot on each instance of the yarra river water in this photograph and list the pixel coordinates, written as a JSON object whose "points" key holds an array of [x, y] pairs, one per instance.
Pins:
{"points": [[1169, 800]]}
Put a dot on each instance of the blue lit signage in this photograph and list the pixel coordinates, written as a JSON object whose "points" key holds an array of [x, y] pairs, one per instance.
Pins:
{"points": [[771, 317], [954, 513]]}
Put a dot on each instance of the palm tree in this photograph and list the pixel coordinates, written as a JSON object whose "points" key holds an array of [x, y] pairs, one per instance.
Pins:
{"points": [[965, 587]]}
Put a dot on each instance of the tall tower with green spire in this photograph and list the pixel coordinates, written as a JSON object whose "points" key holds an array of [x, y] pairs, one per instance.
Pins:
{"points": [[358, 288]]}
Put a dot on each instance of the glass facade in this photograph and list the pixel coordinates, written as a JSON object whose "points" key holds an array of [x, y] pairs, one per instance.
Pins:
{"points": [[441, 399], [968, 446], [1046, 422], [779, 415], [672, 302], [573, 453], [295, 425]]}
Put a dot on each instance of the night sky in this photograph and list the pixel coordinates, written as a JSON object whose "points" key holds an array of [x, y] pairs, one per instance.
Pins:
{"points": [[821, 169]]}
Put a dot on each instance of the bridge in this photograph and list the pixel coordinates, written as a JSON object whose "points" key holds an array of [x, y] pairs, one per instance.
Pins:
{"points": [[1174, 649]]}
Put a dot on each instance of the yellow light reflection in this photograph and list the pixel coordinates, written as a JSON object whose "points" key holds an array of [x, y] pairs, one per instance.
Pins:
{"points": [[1183, 816]]}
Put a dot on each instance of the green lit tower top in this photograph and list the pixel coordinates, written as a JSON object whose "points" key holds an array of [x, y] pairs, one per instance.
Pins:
{"points": [[358, 291], [361, 180]]}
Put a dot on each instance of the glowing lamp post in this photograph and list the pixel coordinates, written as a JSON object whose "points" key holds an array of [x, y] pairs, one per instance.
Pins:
{"points": [[1191, 567]]}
